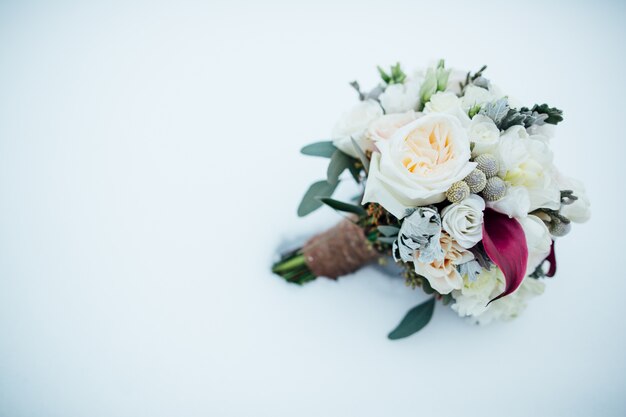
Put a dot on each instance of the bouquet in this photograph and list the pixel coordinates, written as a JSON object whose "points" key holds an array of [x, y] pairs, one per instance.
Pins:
{"points": [[457, 185]]}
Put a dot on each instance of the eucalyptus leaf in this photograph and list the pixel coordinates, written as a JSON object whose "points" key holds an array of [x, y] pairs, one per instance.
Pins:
{"points": [[311, 202], [387, 239], [338, 163], [342, 206], [325, 149], [414, 321], [361, 154]]}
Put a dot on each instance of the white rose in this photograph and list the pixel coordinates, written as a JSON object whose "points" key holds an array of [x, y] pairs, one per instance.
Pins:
{"points": [[543, 132], [399, 98], [538, 241], [384, 127], [446, 102], [475, 95], [442, 274], [484, 133], [353, 124], [464, 220], [579, 211], [515, 203], [527, 162], [418, 164]]}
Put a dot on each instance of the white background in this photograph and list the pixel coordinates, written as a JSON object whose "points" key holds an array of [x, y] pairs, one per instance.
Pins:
{"points": [[149, 170]]}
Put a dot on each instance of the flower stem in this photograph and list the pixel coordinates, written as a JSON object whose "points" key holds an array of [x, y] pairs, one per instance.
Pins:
{"points": [[293, 268]]}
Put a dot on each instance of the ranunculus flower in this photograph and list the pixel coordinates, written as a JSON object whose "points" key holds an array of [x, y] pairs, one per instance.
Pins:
{"points": [[484, 133], [354, 123], [464, 220], [442, 274], [527, 162], [538, 240], [384, 127], [418, 164], [399, 98]]}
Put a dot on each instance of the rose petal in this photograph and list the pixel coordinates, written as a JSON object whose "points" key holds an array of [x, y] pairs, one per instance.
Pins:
{"points": [[505, 244]]}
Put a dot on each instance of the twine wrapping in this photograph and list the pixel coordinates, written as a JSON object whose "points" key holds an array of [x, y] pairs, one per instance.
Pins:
{"points": [[338, 251]]}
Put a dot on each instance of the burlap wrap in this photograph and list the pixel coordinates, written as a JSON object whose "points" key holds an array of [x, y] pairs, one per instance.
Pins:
{"points": [[338, 251]]}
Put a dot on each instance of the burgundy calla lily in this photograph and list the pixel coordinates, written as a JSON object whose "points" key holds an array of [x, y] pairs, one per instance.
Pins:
{"points": [[505, 244], [552, 260]]}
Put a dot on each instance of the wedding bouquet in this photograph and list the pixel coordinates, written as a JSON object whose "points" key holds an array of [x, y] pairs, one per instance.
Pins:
{"points": [[458, 186]]}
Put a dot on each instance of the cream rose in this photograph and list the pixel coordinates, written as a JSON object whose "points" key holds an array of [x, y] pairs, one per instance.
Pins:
{"points": [[418, 164], [354, 124], [442, 274], [464, 221], [385, 126]]}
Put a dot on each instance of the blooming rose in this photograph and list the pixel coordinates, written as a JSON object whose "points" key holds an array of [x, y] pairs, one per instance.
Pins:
{"points": [[418, 164], [384, 127], [484, 133], [511, 306], [353, 124], [527, 162], [442, 274], [399, 98], [578, 211], [538, 241], [464, 220]]}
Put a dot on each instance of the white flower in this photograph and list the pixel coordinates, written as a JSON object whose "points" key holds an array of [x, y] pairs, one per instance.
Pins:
{"points": [[418, 164], [399, 98], [538, 241], [455, 79], [354, 123], [464, 220], [475, 95], [543, 132], [515, 203], [511, 306], [484, 133], [384, 127], [449, 103], [578, 211], [471, 300], [442, 274], [473, 296], [527, 162]]}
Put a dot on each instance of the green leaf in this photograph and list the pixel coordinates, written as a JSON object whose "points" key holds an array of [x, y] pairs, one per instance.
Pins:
{"points": [[389, 230], [342, 206], [310, 202], [554, 115], [386, 77], [338, 163], [324, 149], [388, 240], [414, 321], [355, 171], [361, 154]]}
